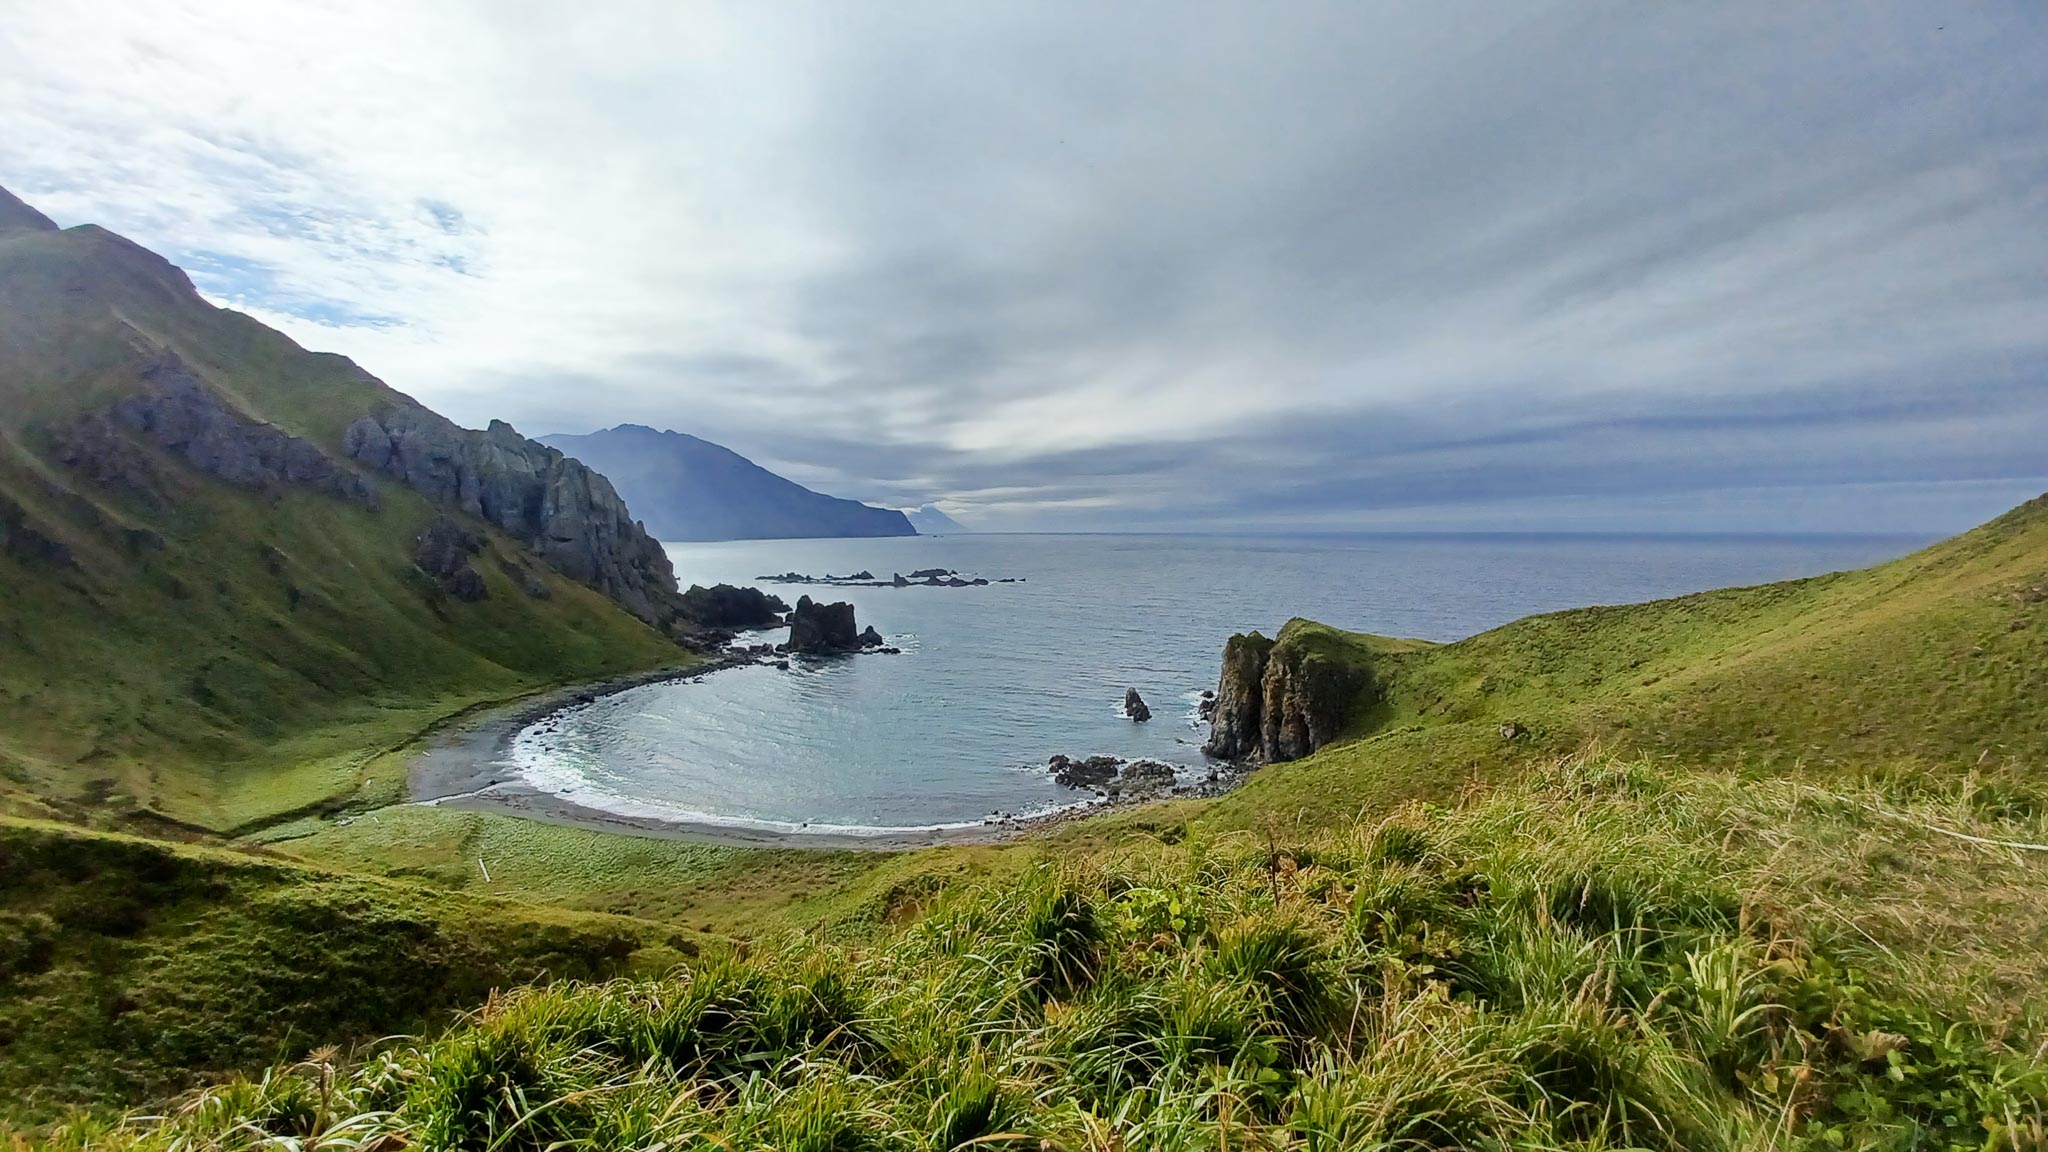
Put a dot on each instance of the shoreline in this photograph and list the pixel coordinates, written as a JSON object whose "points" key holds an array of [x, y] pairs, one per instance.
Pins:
{"points": [[459, 765]]}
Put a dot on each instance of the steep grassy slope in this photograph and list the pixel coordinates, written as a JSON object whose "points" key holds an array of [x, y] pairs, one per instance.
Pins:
{"points": [[218, 655], [1605, 955], [131, 968]]}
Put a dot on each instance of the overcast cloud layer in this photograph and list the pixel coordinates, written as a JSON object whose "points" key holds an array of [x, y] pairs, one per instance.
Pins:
{"points": [[1515, 265]]}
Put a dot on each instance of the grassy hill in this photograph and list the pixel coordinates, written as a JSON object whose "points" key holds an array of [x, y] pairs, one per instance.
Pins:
{"points": [[1606, 954], [184, 651], [131, 969]]}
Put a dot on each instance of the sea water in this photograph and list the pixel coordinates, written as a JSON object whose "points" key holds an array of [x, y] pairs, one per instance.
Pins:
{"points": [[992, 680]]}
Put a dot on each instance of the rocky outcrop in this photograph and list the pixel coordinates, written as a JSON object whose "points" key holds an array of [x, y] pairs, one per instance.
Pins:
{"points": [[443, 552], [1112, 775], [821, 629], [565, 514], [1281, 700], [1135, 706], [1240, 697], [175, 413], [732, 606], [869, 638]]}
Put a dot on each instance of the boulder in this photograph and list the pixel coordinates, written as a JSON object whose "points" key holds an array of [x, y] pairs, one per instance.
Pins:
{"points": [[869, 638], [1088, 772], [1135, 706]]}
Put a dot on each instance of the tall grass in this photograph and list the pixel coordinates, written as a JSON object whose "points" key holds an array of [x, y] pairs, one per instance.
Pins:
{"points": [[1600, 958]]}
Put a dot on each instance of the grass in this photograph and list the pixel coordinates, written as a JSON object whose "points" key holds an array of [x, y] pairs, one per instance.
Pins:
{"points": [[1611, 953], [131, 969]]}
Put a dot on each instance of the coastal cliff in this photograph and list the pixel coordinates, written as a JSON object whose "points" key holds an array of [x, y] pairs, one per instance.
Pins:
{"points": [[1284, 698], [566, 514]]}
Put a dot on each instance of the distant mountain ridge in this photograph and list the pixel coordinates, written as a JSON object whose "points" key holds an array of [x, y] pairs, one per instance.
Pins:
{"points": [[929, 521], [686, 488]]}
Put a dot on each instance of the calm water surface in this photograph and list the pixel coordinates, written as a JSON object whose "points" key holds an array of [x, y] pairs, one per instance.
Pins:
{"points": [[994, 680]]}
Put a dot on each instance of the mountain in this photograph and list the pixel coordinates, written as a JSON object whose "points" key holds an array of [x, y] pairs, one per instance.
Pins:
{"points": [[691, 489], [929, 521], [229, 565]]}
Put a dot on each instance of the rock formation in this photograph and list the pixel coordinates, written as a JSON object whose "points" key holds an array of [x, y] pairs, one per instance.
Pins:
{"points": [[1280, 700], [819, 629], [443, 552], [1234, 722], [1135, 706], [566, 514], [177, 414], [731, 606], [869, 638]]}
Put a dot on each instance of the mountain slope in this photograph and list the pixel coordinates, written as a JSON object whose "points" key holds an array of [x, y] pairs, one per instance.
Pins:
{"points": [[691, 489], [211, 613], [929, 521]]}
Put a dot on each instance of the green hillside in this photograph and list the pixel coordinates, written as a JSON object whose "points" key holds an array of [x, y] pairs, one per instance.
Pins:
{"points": [[131, 969], [175, 648], [1935, 661]]}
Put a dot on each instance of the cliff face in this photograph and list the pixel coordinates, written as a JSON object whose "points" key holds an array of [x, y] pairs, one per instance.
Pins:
{"points": [[566, 514], [1280, 699], [1234, 729]]}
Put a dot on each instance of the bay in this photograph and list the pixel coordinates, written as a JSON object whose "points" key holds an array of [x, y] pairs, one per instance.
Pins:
{"points": [[993, 680]]}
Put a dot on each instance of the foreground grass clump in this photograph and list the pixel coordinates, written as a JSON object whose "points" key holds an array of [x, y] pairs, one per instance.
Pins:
{"points": [[1597, 958]]}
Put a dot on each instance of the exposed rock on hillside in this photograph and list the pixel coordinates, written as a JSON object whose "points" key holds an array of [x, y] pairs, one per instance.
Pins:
{"points": [[568, 515], [731, 606], [176, 413], [443, 553], [822, 628], [1280, 700]]}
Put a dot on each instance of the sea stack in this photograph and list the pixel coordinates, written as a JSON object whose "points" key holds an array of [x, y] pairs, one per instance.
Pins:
{"points": [[1135, 706], [820, 629]]}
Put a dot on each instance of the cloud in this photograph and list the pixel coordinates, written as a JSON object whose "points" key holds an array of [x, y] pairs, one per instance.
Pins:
{"points": [[1141, 265]]}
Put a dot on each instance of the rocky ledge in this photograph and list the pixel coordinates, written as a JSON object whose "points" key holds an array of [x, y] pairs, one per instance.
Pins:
{"points": [[566, 515], [1280, 700]]}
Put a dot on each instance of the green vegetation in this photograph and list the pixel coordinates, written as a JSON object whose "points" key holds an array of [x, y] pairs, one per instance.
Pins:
{"points": [[219, 658], [131, 969], [1755, 868], [1938, 661], [1608, 954]]}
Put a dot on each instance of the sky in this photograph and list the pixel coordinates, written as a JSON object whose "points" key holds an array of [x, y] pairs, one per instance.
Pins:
{"points": [[1063, 266]]}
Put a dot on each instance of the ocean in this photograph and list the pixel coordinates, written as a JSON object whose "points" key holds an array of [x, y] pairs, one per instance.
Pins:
{"points": [[994, 680]]}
